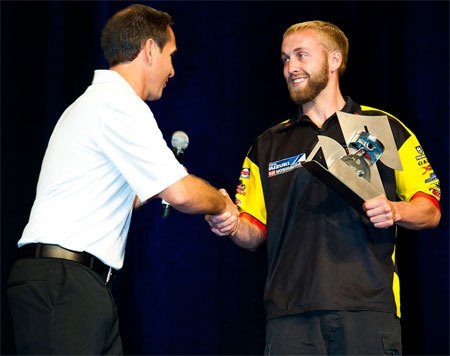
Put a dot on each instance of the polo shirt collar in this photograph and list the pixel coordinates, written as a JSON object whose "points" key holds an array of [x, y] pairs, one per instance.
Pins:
{"points": [[107, 76]]}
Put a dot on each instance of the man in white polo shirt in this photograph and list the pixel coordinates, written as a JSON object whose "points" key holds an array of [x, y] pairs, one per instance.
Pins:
{"points": [[105, 156]]}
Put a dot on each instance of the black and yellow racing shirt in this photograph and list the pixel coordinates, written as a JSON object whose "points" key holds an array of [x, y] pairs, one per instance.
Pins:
{"points": [[322, 253]]}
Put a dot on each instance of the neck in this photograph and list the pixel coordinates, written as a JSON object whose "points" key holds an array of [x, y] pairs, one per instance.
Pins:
{"points": [[324, 105], [132, 73]]}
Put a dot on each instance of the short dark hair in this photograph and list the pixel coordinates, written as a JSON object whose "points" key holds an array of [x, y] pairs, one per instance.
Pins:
{"points": [[128, 29]]}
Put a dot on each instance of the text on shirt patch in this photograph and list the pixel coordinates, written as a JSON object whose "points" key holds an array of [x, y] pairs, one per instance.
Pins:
{"points": [[431, 178], [286, 165]]}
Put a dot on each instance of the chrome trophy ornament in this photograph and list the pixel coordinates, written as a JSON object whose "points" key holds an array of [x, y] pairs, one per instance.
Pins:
{"points": [[368, 151], [352, 170]]}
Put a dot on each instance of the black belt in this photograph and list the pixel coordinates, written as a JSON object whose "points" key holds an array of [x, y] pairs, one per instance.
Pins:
{"points": [[54, 251]]}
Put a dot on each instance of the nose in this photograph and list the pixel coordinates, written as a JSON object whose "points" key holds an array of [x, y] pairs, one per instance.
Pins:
{"points": [[172, 72], [292, 66]]}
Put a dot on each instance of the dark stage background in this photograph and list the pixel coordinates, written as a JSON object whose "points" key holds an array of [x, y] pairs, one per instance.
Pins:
{"points": [[182, 290]]}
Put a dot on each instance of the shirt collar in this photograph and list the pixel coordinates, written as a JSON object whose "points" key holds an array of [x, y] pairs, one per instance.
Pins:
{"points": [[349, 107], [102, 76]]}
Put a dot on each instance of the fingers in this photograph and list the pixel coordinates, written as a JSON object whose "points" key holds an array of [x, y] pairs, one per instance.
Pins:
{"points": [[226, 223], [218, 232], [230, 202], [214, 220], [380, 212], [240, 188], [225, 228], [224, 192], [230, 206]]}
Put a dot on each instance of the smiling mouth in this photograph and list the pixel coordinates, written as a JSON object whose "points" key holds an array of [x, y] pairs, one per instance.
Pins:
{"points": [[298, 81]]}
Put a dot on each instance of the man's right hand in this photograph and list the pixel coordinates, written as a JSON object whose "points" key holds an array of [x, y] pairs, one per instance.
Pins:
{"points": [[227, 222]]}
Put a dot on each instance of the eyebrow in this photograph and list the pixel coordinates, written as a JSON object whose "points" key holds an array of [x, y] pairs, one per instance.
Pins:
{"points": [[295, 50]]}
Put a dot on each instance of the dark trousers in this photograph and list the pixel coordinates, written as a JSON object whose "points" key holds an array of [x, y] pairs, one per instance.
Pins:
{"points": [[61, 307], [334, 333]]}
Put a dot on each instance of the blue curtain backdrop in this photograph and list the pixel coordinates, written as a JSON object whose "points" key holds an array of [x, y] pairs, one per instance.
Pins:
{"points": [[182, 290]]}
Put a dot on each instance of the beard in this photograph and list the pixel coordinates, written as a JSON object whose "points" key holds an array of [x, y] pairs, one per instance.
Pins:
{"points": [[316, 83]]}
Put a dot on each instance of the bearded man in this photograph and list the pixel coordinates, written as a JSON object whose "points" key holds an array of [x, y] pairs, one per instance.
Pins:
{"points": [[332, 285]]}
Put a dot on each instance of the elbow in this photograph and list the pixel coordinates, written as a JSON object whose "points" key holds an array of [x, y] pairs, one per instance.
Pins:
{"points": [[250, 246], [180, 201], [177, 196], [431, 222], [435, 220]]}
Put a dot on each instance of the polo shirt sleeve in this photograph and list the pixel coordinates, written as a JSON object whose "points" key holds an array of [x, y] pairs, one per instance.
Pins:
{"points": [[251, 200], [417, 174], [133, 142]]}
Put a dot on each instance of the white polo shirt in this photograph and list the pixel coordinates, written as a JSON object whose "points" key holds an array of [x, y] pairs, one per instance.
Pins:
{"points": [[105, 149]]}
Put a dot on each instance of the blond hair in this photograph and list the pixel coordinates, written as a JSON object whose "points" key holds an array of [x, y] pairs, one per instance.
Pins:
{"points": [[331, 36]]}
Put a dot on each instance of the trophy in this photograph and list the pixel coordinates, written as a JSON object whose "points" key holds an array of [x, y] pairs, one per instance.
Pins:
{"points": [[352, 171]]}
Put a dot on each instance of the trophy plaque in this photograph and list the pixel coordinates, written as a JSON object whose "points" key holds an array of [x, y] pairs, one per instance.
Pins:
{"points": [[353, 172]]}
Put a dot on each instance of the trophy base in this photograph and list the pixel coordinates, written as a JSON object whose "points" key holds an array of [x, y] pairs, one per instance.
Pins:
{"points": [[356, 190]]}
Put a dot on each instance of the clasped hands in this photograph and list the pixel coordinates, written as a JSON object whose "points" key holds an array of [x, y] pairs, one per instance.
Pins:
{"points": [[226, 223]]}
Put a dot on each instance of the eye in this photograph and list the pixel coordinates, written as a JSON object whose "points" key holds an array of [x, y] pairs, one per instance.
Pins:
{"points": [[284, 59]]}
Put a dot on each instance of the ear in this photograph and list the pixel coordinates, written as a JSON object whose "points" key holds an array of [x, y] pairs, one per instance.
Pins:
{"points": [[335, 60], [149, 50]]}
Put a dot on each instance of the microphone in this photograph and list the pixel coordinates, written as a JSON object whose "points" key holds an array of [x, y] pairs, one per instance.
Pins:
{"points": [[180, 141]]}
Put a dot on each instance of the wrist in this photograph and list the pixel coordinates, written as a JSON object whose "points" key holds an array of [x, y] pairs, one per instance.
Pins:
{"points": [[396, 215], [236, 227]]}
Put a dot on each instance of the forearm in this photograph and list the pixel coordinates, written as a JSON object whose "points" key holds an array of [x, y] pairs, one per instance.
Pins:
{"points": [[193, 195], [416, 214], [419, 213]]}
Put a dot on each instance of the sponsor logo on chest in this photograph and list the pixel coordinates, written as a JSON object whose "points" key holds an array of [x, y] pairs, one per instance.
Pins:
{"points": [[286, 165]]}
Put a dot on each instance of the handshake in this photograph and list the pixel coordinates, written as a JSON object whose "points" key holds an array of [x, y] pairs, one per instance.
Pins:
{"points": [[227, 222], [241, 228]]}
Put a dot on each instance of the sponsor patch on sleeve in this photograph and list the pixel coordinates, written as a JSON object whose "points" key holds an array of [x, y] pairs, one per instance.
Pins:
{"points": [[245, 173], [436, 192], [431, 178]]}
